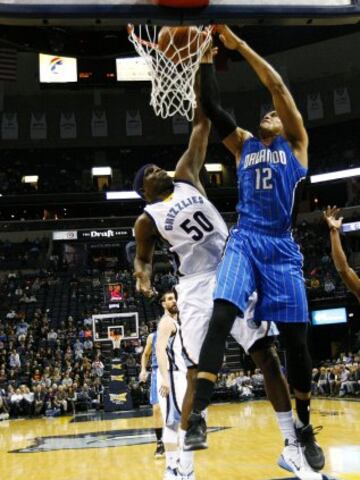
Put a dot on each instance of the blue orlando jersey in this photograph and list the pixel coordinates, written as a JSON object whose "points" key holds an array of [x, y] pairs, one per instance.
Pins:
{"points": [[267, 180], [154, 363]]}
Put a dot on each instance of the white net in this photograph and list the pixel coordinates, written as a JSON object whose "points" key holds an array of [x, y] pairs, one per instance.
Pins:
{"points": [[173, 61]]}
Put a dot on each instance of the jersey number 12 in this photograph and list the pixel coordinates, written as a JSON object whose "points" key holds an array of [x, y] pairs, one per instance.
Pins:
{"points": [[202, 225], [263, 179]]}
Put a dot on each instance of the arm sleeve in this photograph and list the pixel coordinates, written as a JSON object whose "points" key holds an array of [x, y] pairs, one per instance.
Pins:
{"points": [[211, 103]]}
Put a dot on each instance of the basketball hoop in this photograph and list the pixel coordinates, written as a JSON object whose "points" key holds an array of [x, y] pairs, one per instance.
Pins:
{"points": [[116, 338], [116, 341], [172, 67]]}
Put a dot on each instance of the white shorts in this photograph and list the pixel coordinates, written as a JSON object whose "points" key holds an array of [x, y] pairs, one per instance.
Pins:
{"points": [[246, 331], [195, 303], [171, 405]]}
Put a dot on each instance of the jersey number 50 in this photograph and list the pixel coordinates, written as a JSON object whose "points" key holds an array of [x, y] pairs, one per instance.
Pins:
{"points": [[202, 222]]}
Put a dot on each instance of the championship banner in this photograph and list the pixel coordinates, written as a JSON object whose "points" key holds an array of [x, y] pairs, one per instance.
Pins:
{"points": [[342, 103], [315, 108], [99, 126], [133, 123], [68, 125], [9, 126], [38, 126], [118, 396]]}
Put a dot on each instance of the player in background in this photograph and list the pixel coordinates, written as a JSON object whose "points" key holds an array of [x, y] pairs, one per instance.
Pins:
{"points": [[150, 351], [171, 383], [347, 274], [261, 254]]}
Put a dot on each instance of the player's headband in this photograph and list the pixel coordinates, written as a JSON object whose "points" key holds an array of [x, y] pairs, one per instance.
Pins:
{"points": [[138, 184]]}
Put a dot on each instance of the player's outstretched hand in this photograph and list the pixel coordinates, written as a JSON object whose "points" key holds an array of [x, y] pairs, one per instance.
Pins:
{"points": [[143, 284], [228, 37], [164, 389], [209, 54], [143, 376], [331, 217]]}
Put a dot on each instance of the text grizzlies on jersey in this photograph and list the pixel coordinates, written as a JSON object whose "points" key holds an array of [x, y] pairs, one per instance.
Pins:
{"points": [[178, 207], [265, 156]]}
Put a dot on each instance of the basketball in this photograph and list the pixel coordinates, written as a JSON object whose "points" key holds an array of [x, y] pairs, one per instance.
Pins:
{"points": [[181, 3], [179, 43]]}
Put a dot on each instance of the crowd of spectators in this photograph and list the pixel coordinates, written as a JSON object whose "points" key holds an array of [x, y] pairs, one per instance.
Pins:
{"points": [[47, 370], [51, 364], [23, 255], [339, 378], [321, 277]]}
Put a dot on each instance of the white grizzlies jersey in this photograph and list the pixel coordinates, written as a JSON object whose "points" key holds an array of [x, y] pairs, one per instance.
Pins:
{"points": [[192, 226], [174, 351]]}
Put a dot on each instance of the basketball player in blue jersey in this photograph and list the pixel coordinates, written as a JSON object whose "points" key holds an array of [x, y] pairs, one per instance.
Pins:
{"points": [[261, 253], [347, 274], [150, 351], [171, 383]]}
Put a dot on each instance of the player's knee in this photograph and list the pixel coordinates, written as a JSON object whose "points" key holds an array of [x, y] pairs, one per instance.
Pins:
{"points": [[222, 319], [170, 436], [268, 362]]}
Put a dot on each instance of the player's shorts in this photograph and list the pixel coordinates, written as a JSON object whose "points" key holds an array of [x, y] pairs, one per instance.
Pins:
{"points": [[154, 398], [171, 405], [195, 303], [248, 333], [271, 265]]}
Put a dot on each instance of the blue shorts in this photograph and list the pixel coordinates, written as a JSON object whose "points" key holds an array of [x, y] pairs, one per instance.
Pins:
{"points": [[272, 265], [154, 398]]}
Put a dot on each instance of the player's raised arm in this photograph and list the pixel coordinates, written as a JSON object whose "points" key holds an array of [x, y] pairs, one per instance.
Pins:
{"points": [[346, 273], [145, 357], [231, 135], [283, 101], [145, 237], [190, 164], [165, 329]]}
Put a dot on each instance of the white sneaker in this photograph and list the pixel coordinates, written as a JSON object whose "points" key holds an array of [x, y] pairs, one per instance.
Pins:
{"points": [[186, 476], [171, 474], [293, 460]]}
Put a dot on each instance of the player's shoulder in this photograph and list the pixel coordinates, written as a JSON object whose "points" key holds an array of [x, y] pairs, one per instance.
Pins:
{"points": [[186, 188], [181, 184]]}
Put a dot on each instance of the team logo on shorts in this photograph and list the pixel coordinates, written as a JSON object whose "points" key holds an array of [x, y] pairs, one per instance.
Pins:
{"points": [[252, 324]]}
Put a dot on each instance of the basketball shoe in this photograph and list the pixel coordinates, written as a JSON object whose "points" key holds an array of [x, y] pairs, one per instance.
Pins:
{"points": [[160, 450], [171, 474], [186, 476], [312, 450], [293, 460], [195, 438]]}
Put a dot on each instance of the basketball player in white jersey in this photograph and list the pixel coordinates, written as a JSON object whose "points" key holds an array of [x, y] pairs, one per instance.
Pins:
{"points": [[171, 382], [179, 212]]}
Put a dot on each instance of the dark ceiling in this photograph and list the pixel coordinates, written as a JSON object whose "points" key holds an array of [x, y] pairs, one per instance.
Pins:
{"points": [[93, 42]]}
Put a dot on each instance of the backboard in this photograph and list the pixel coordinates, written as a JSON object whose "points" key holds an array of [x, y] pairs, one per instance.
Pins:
{"points": [[126, 323], [120, 12]]}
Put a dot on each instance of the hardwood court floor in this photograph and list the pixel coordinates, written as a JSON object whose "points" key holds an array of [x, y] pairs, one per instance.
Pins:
{"points": [[247, 450]]}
